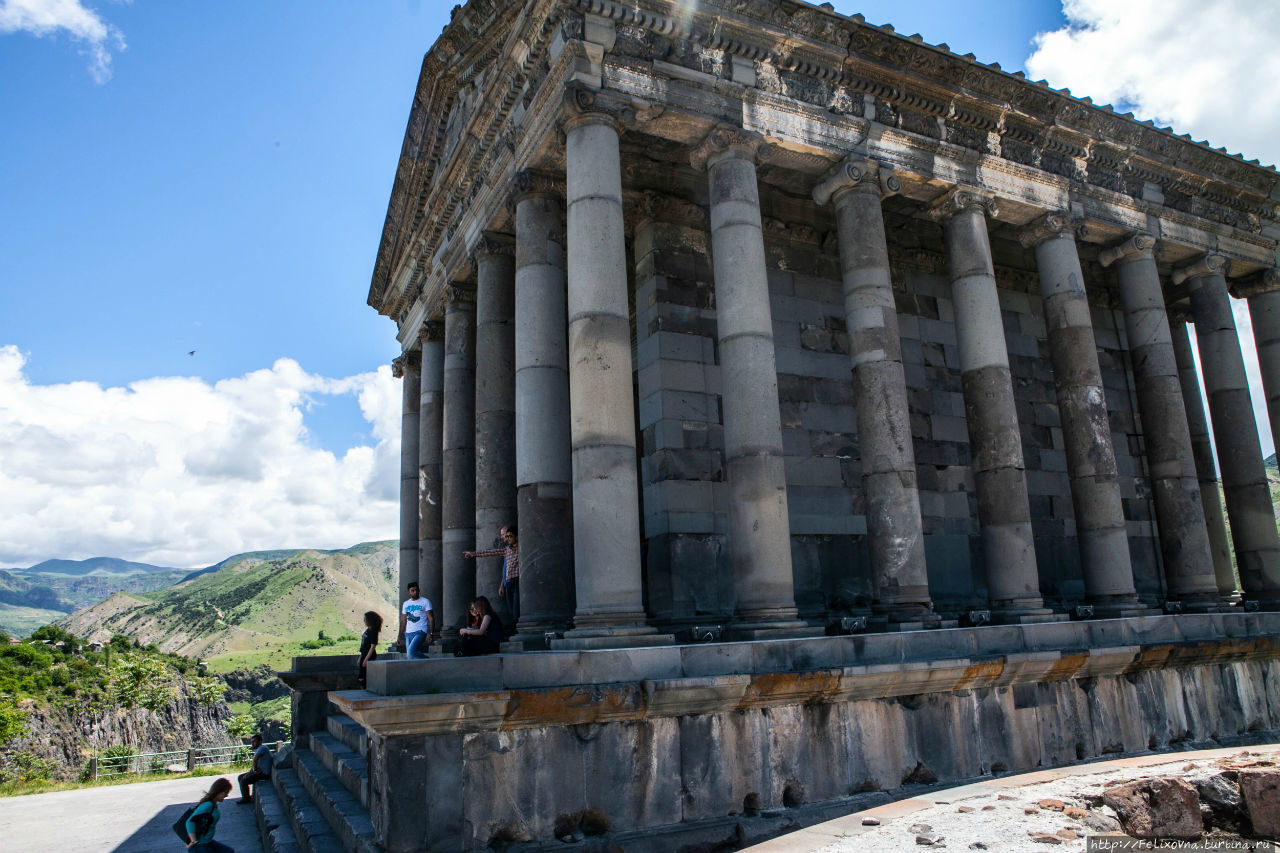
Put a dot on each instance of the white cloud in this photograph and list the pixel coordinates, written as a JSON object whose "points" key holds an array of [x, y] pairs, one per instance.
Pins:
{"points": [[49, 17], [174, 471], [1204, 69]]}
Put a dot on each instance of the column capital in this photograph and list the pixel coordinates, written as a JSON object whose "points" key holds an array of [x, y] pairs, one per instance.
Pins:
{"points": [[726, 141], [856, 173], [532, 184], [1210, 263], [1051, 226], [1257, 284], [1138, 244], [459, 294], [432, 331], [409, 361], [961, 200], [584, 105], [492, 244], [652, 205]]}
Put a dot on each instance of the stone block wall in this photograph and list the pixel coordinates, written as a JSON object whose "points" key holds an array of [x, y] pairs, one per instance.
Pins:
{"points": [[684, 496]]}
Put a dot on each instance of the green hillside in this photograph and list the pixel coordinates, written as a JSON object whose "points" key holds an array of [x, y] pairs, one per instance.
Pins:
{"points": [[24, 593], [255, 608]]}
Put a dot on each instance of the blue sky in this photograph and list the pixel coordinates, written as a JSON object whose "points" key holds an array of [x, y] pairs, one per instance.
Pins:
{"points": [[178, 175]]}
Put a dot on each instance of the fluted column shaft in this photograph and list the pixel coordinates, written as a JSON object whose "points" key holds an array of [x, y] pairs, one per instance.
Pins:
{"points": [[1202, 452], [407, 367], [895, 535], [1184, 539], [1244, 477], [495, 409], [1004, 513], [430, 449], [459, 459], [543, 463], [759, 524], [1086, 428], [606, 501]]}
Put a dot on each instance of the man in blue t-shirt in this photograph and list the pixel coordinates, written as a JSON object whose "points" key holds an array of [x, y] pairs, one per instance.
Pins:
{"points": [[261, 769], [417, 621]]}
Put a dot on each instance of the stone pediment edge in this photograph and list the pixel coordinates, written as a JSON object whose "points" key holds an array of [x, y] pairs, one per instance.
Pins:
{"points": [[826, 45], [465, 45]]}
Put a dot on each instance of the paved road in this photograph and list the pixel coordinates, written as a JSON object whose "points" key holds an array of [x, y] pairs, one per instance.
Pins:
{"points": [[117, 819]]}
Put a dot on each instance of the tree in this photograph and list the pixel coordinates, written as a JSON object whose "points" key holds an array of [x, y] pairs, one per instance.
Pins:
{"points": [[141, 681], [207, 689], [13, 721]]}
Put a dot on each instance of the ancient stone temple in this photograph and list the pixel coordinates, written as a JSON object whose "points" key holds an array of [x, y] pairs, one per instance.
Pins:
{"points": [[767, 326]]}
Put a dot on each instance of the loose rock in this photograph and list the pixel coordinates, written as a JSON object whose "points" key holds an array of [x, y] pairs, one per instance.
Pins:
{"points": [[1260, 791], [1157, 808], [1052, 805]]}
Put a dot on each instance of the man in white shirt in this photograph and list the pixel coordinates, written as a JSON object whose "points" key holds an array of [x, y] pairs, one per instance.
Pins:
{"points": [[418, 622]]}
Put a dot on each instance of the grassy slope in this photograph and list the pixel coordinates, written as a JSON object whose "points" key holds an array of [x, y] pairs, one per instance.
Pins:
{"points": [[254, 611], [18, 621]]}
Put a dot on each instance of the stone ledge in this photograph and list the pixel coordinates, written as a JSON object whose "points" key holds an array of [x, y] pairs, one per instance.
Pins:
{"points": [[1049, 651], [552, 704]]}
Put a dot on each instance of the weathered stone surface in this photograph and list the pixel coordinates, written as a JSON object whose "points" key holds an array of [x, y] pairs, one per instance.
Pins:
{"points": [[1157, 808], [1260, 794]]}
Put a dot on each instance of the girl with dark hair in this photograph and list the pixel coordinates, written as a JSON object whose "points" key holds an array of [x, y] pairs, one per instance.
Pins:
{"points": [[369, 644], [484, 634], [204, 820]]}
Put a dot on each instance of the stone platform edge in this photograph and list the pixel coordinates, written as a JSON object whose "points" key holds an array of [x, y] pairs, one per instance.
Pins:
{"points": [[566, 688]]}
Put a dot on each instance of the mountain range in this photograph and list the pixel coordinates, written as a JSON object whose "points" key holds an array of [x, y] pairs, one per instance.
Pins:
{"points": [[253, 608]]}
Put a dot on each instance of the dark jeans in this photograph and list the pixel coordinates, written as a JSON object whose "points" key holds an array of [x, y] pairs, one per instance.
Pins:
{"points": [[253, 777], [211, 846], [474, 646], [512, 589]]}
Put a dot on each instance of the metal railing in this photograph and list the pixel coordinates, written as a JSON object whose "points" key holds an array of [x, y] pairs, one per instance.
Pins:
{"points": [[174, 761]]}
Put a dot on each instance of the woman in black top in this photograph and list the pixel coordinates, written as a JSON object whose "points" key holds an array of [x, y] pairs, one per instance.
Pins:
{"points": [[485, 632], [369, 644]]}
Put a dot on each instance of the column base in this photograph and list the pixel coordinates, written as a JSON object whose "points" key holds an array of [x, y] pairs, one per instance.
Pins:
{"points": [[1035, 616], [783, 630], [616, 641], [904, 616], [1121, 607], [1209, 604]]}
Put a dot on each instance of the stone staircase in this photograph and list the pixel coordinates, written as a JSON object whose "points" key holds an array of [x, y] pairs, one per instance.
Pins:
{"points": [[320, 803]]}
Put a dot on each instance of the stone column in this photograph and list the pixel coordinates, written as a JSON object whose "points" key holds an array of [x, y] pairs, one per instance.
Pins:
{"points": [[1184, 539], [1202, 452], [459, 459], [759, 525], [1244, 477], [606, 503], [430, 447], [1264, 311], [543, 463], [495, 408], [895, 534], [1086, 429], [407, 367], [995, 443]]}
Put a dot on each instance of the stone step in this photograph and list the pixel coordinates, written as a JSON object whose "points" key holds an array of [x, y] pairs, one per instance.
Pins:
{"points": [[351, 768], [343, 811], [273, 823], [311, 830], [349, 732]]}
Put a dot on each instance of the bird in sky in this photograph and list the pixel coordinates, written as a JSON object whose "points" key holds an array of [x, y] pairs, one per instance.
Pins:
{"points": [[191, 352]]}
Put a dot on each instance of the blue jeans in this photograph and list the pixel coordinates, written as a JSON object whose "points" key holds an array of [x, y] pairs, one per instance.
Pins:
{"points": [[414, 643], [211, 846]]}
